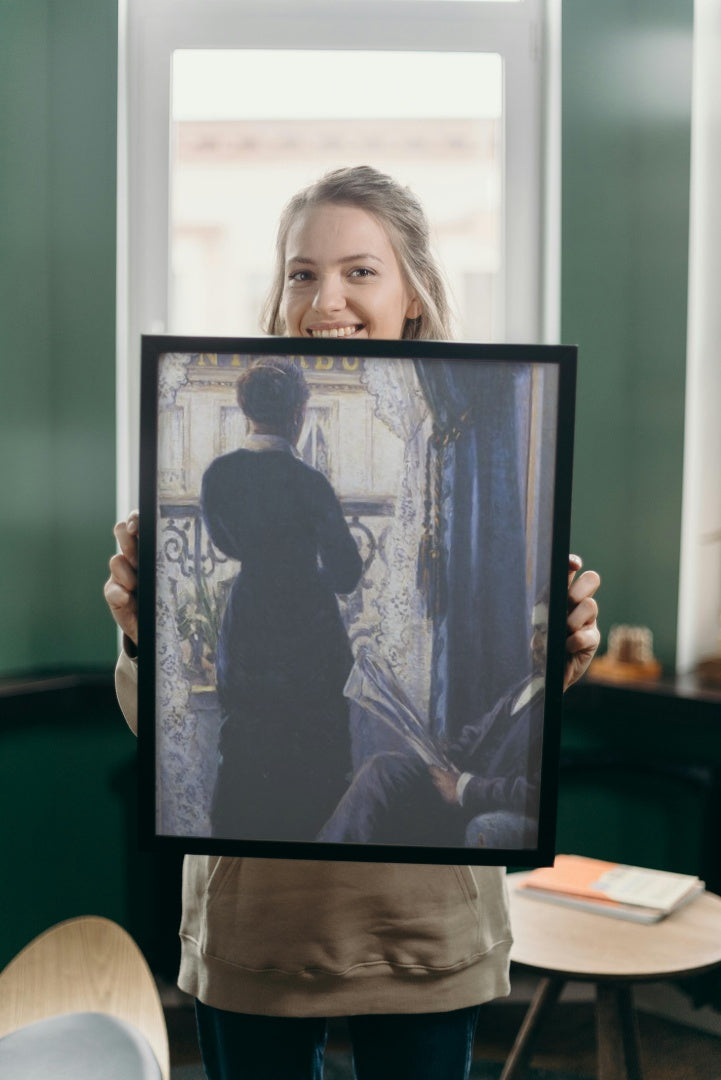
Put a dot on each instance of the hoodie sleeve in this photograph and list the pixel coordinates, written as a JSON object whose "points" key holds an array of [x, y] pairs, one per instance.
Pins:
{"points": [[126, 688]]}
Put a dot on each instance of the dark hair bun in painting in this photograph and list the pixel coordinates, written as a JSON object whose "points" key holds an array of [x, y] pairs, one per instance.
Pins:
{"points": [[271, 391]]}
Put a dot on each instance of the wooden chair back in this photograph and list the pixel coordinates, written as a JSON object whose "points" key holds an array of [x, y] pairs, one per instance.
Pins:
{"points": [[87, 964]]}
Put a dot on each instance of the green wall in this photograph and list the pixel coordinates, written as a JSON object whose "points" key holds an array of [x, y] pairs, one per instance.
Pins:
{"points": [[68, 801], [625, 200], [57, 330]]}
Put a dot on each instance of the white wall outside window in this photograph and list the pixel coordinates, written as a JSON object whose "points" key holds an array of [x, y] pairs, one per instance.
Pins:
{"points": [[523, 33]]}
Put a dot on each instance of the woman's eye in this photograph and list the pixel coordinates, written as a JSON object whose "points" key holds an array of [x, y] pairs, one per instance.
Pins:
{"points": [[300, 276], [362, 272]]}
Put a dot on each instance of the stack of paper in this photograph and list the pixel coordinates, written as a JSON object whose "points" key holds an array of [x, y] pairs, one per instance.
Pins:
{"points": [[608, 888]]}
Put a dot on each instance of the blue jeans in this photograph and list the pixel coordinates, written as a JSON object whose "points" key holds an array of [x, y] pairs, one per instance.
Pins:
{"points": [[415, 1046]]}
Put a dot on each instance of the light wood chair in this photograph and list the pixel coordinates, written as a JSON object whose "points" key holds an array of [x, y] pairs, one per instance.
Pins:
{"points": [[84, 965]]}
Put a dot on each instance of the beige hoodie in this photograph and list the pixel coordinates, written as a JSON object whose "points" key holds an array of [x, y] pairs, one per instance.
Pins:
{"points": [[285, 937]]}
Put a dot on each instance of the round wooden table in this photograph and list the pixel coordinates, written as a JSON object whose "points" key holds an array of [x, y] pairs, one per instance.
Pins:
{"points": [[563, 944]]}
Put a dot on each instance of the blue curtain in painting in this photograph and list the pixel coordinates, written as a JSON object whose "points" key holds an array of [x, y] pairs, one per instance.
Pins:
{"points": [[472, 562]]}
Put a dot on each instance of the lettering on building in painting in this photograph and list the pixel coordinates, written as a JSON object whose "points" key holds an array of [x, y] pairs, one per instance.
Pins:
{"points": [[308, 363]]}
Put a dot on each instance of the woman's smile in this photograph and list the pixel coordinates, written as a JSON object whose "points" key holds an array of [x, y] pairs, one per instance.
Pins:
{"points": [[335, 331]]}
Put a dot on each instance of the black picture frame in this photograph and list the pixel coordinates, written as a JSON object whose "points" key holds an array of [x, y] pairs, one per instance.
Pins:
{"points": [[452, 463]]}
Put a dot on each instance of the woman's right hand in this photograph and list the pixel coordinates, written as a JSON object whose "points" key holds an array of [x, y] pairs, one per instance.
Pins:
{"points": [[121, 587]]}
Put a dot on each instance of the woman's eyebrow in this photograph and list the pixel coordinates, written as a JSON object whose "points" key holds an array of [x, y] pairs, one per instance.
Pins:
{"points": [[361, 257]]}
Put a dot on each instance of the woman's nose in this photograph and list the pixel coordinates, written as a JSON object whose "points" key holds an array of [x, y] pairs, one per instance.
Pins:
{"points": [[329, 296]]}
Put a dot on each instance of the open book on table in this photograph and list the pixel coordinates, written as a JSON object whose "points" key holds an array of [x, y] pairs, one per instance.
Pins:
{"points": [[608, 888]]}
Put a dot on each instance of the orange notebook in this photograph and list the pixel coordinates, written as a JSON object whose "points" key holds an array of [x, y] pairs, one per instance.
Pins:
{"points": [[632, 892]]}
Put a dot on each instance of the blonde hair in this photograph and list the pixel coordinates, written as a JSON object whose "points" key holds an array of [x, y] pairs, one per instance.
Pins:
{"points": [[403, 217]]}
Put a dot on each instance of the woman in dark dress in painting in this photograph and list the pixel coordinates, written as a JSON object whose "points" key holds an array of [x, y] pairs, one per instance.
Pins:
{"points": [[283, 654]]}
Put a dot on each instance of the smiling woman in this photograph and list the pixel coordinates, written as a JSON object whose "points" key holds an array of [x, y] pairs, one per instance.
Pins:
{"points": [[270, 947]]}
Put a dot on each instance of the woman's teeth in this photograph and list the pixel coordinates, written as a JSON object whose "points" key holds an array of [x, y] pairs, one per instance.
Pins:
{"points": [[336, 332]]}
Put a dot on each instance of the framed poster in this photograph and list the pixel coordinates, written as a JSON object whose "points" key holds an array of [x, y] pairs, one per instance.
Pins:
{"points": [[352, 597]]}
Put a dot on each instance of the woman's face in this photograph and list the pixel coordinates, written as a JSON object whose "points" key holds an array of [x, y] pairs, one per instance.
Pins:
{"points": [[342, 277]]}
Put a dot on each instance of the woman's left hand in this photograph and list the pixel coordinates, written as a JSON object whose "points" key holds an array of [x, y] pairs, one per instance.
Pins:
{"points": [[583, 635]]}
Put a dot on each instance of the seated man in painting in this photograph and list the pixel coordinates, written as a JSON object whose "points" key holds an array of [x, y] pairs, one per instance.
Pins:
{"points": [[480, 791]]}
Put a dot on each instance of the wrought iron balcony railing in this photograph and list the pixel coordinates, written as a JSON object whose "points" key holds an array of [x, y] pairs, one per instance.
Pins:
{"points": [[200, 576]]}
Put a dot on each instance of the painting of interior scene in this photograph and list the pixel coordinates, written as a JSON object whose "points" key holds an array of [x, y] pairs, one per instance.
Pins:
{"points": [[353, 561]]}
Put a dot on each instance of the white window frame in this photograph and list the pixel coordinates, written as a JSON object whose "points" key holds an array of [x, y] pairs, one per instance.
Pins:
{"points": [[526, 34], [699, 596]]}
